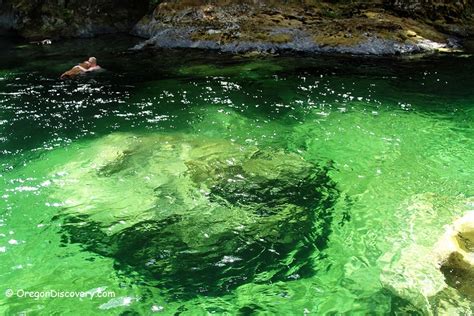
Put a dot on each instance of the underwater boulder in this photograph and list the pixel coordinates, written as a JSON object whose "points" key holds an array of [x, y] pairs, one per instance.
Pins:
{"points": [[414, 276], [433, 274], [197, 215], [456, 253]]}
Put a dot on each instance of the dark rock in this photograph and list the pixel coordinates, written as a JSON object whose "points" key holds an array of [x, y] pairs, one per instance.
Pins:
{"points": [[8, 20], [73, 18], [212, 214], [434, 9]]}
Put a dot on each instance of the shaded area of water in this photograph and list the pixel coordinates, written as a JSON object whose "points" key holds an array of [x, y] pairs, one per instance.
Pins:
{"points": [[162, 147]]}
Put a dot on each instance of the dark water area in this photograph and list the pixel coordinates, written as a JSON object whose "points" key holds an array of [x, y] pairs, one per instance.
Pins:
{"points": [[126, 70], [188, 182]]}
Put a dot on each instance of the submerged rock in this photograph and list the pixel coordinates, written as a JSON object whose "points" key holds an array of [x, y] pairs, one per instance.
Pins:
{"points": [[438, 276], [197, 215], [456, 252], [254, 69], [414, 276]]}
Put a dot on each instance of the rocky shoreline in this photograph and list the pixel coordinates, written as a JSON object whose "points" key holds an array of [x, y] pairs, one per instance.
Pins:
{"points": [[384, 27], [238, 28]]}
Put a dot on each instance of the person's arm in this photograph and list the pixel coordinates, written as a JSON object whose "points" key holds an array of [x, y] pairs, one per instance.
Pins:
{"points": [[97, 67], [68, 74], [82, 68]]}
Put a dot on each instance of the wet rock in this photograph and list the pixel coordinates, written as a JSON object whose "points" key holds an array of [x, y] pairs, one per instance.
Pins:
{"points": [[254, 69], [298, 41], [411, 33], [197, 215], [456, 250], [237, 28], [433, 273], [414, 276], [434, 9], [254, 54], [453, 17]]}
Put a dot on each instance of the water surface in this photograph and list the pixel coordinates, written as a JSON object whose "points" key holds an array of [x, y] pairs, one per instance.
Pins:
{"points": [[396, 136]]}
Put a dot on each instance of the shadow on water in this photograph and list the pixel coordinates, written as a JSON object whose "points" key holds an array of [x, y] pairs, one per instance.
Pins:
{"points": [[173, 90], [145, 73]]}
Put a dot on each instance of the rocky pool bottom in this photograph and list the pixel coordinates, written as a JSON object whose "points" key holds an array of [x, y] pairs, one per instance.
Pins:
{"points": [[194, 183], [198, 215]]}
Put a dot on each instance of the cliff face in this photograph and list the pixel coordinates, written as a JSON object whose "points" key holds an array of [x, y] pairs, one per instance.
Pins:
{"points": [[370, 27], [70, 18], [451, 16], [450, 10], [359, 27]]}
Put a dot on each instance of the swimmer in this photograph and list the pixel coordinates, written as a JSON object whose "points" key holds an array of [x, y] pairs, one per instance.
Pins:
{"points": [[86, 66]]}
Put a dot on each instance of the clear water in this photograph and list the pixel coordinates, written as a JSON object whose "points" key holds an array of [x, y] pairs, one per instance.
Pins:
{"points": [[397, 136]]}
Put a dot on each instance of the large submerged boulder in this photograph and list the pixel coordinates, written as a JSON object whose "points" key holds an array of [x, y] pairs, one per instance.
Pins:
{"points": [[197, 215]]}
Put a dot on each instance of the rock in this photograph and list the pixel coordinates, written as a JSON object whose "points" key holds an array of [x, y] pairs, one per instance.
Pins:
{"points": [[254, 69], [411, 33], [73, 18], [456, 253], [238, 28], [46, 41], [413, 276], [232, 26], [254, 54], [8, 20], [197, 215], [434, 274], [433, 9]]}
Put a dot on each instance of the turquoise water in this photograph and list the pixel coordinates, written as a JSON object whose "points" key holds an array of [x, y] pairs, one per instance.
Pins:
{"points": [[389, 144]]}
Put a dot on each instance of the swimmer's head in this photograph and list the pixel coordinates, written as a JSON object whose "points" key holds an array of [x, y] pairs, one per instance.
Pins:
{"points": [[93, 60]]}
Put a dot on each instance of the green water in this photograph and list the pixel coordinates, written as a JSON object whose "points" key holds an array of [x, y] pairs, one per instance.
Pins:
{"points": [[396, 137]]}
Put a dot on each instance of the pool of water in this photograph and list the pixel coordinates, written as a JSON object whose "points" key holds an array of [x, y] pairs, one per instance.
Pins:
{"points": [[136, 181]]}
